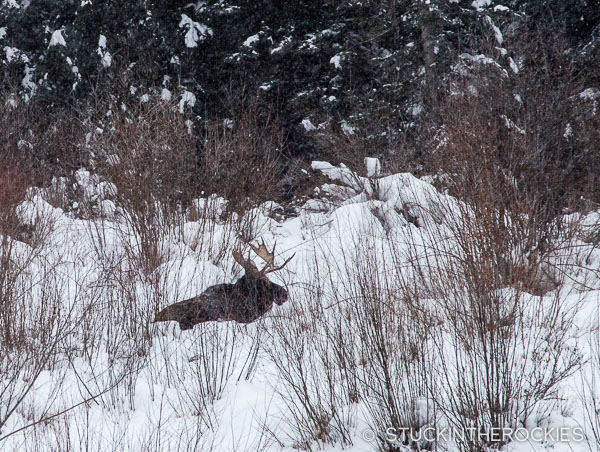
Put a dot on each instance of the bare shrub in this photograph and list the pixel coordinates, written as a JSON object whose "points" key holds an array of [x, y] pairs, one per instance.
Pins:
{"points": [[505, 340], [590, 395], [38, 323], [147, 154], [40, 329], [311, 378], [509, 152], [454, 314], [214, 356], [159, 162], [312, 382], [386, 351], [529, 126], [130, 298], [150, 157], [355, 339], [241, 157], [21, 244], [393, 340], [371, 139]]}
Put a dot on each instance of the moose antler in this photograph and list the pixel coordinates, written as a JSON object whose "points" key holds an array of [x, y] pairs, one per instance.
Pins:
{"points": [[263, 252], [246, 264]]}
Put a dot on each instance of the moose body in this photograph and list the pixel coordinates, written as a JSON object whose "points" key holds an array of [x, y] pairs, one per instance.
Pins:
{"points": [[245, 301]]}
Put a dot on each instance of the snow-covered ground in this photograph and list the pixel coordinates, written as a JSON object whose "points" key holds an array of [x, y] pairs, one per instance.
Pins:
{"points": [[104, 378]]}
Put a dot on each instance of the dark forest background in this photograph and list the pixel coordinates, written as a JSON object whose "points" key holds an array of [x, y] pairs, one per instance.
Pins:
{"points": [[426, 86]]}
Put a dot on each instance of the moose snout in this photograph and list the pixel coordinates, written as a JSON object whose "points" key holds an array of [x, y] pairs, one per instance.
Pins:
{"points": [[280, 295]]}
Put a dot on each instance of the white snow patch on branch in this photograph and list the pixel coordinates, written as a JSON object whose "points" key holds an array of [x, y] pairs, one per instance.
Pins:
{"points": [[568, 131], [187, 100], [57, 39], [165, 95], [480, 4], [12, 54], [510, 124], [105, 56], [11, 4], [28, 84], [481, 59], [308, 125], [336, 61], [251, 40], [590, 94], [497, 32], [347, 128], [195, 31], [373, 166], [106, 59]]}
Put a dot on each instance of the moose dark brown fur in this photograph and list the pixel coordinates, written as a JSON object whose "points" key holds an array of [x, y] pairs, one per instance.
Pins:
{"points": [[245, 301]]}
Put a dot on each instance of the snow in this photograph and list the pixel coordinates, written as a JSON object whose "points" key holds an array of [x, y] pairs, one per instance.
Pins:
{"points": [[497, 32], [511, 125], [27, 82], [481, 59], [195, 33], [12, 102], [481, 4], [105, 56], [2, 32], [106, 59], [14, 54], [373, 166], [188, 99], [415, 110], [336, 60], [162, 386], [251, 40], [282, 45], [590, 94], [347, 128], [13, 4], [57, 39], [308, 125], [165, 95], [30, 212]]}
